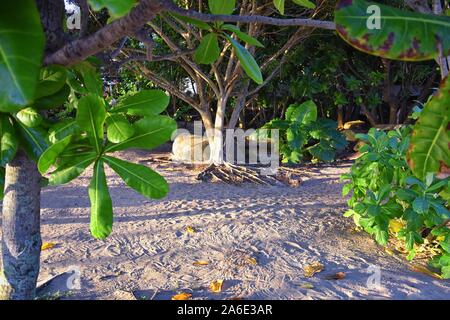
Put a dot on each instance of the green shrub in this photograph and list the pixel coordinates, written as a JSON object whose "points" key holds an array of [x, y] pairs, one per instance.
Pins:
{"points": [[302, 134], [387, 200]]}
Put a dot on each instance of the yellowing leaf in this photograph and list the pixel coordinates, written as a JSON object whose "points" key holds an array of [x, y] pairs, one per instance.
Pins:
{"points": [[48, 245], [201, 263], [252, 261], [425, 270], [396, 225], [312, 269], [216, 286], [190, 229], [440, 238], [182, 296], [306, 286]]}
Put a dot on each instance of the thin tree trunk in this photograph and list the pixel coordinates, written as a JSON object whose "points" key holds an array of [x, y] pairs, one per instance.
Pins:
{"points": [[21, 236], [216, 143]]}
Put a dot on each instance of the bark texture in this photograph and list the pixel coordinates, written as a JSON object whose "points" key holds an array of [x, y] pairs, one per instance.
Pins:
{"points": [[21, 237]]}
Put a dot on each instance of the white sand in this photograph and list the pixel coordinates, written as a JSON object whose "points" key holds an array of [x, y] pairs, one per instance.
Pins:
{"points": [[151, 255]]}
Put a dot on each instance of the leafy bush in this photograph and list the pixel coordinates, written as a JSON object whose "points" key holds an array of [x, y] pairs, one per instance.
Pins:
{"points": [[302, 133], [387, 200]]}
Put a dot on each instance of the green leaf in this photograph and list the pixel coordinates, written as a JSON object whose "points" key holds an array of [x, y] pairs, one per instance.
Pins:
{"points": [[140, 178], [63, 129], [91, 78], [101, 204], [90, 117], [34, 140], [49, 156], [144, 103], [197, 23], [53, 101], [119, 129], [71, 169], [279, 4], [222, 6], [242, 35], [305, 3], [8, 141], [208, 51], [429, 149], [400, 35], [304, 113], [29, 117], [53, 78], [248, 63], [149, 133], [116, 8], [21, 50], [421, 205]]}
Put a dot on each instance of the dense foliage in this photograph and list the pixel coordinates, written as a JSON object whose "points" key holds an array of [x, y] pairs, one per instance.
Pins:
{"points": [[387, 200], [302, 134]]}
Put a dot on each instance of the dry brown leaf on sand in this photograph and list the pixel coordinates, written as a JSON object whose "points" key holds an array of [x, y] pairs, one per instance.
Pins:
{"points": [[425, 270], [252, 261], [307, 286], [182, 296], [216, 286], [201, 263], [336, 276], [312, 269], [190, 229], [48, 245]]}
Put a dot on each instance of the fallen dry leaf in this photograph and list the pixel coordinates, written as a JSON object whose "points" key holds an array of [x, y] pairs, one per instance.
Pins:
{"points": [[336, 276], [252, 261], [312, 269], [216, 286], [389, 251], [306, 286], [48, 245], [426, 271], [396, 225], [201, 263], [190, 229], [182, 296]]}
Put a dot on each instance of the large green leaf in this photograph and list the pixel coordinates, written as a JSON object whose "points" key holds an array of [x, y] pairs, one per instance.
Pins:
{"points": [[242, 35], [34, 140], [101, 204], [279, 4], [49, 156], [71, 169], [208, 51], [402, 35], [303, 113], [2, 182], [53, 78], [29, 117], [91, 78], [222, 6], [116, 8], [247, 61], [54, 100], [9, 142], [305, 3], [91, 117], [143, 103], [430, 142], [142, 179], [119, 129], [149, 133], [63, 129], [21, 49]]}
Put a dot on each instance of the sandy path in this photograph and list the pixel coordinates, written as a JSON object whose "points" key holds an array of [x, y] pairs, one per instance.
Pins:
{"points": [[284, 229]]}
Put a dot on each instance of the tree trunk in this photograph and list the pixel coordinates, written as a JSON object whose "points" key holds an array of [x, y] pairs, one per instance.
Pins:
{"points": [[21, 236], [216, 139]]}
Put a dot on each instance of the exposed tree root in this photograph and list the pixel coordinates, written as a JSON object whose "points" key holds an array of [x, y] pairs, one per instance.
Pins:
{"points": [[233, 174]]}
